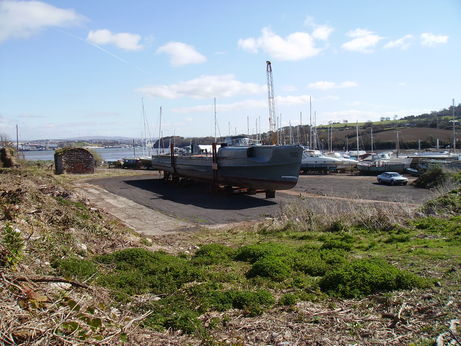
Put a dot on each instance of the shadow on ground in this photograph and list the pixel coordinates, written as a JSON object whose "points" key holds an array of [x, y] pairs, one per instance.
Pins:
{"points": [[199, 195]]}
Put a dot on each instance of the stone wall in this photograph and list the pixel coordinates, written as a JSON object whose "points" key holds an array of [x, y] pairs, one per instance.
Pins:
{"points": [[74, 161]]}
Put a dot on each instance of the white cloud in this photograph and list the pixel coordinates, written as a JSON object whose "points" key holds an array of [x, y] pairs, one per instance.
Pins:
{"points": [[22, 19], [429, 40], [322, 32], [362, 41], [402, 43], [296, 46], [246, 104], [325, 85], [181, 54], [204, 87], [122, 40]]}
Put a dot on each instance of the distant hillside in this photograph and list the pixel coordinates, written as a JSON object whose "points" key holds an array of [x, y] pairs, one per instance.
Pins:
{"points": [[414, 130]]}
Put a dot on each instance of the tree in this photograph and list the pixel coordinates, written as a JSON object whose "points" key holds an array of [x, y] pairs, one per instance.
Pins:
{"points": [[5, 141]]}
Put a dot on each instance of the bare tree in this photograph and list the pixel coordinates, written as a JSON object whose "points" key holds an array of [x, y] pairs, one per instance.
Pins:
{"points": [[5, 141]]}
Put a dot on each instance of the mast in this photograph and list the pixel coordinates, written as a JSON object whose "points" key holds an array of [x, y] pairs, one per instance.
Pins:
{"points": [[215, 139], [159, 131], [454, 128], [357, 132], [397, 144], [300, 128], [371, 134], [270, 96], [248, 125], [310, 122]]}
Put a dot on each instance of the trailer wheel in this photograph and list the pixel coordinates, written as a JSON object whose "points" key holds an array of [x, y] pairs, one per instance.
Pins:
{"points": [[270, 193]]}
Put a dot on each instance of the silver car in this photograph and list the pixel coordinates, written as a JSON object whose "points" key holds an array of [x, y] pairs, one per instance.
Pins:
{"points": [[392, 178]]}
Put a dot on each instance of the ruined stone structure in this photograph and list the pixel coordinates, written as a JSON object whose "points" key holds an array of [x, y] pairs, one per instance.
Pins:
{"points": [[74, 161], [7, 158]]}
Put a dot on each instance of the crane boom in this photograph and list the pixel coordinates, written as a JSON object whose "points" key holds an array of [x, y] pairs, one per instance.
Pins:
{"points": [[270, 96]]}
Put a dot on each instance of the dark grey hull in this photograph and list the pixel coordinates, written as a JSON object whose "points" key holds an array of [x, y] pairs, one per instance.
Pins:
{"points": [[258, 167]]}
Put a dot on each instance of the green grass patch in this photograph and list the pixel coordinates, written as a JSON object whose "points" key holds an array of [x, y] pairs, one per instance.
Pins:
{"points": [[75, 268], [368, 276], [136, 271]]}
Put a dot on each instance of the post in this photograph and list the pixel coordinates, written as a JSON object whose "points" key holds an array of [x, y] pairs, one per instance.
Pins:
{"points": [[134, 150]]}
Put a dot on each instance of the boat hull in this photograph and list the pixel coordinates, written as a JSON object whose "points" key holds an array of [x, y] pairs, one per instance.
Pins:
{"points": [[258, 167]]}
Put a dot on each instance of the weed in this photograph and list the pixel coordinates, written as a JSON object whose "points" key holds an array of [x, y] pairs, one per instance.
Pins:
{"points": [[364, 277], [11, 246]]}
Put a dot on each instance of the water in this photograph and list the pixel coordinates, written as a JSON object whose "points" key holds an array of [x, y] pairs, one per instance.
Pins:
{"points": [[107, 154]]}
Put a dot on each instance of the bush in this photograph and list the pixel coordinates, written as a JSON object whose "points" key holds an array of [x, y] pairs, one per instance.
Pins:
{"points": [[310, 263], [433, 177], [252, 253], [270, 267], [317, 262], [365, 277], [448, 203], [75, 268], [213, 254]]}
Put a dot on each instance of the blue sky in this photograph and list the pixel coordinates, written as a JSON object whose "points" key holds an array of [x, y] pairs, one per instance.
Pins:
{"points": [[81, 68]]}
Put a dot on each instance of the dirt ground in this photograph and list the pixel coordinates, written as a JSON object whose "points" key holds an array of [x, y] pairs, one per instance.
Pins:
{"points": [[152, 206]]}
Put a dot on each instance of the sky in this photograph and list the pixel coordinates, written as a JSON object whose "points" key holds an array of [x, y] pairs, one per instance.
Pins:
{"points": [[87, 68]]}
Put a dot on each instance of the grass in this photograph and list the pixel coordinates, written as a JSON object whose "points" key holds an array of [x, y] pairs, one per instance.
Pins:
{"points": [[271, 268]]}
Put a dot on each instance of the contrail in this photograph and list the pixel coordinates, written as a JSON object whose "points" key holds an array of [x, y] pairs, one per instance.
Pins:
{"points": [[102, 50]]}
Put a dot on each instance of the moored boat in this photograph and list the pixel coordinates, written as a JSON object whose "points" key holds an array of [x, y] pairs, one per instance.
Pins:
{"points": [[255, 167]]}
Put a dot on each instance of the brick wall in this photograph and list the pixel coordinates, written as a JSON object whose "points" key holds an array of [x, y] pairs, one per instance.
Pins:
{"points": [[74, 161]]}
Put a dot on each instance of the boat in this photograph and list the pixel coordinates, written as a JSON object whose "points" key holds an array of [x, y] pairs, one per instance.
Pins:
{"points": [[314, 160], [345, 162], [383, 162], [237, 163]]}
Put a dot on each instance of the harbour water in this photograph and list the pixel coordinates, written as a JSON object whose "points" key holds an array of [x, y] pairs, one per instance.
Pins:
{"points": [[107, 154]]}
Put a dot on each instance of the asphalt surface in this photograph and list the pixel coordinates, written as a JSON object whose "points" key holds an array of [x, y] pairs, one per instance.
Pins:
{"points": [[197, 203]]}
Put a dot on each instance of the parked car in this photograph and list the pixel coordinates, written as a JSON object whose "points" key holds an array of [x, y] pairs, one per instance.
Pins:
{"points": [[392, 178]]}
